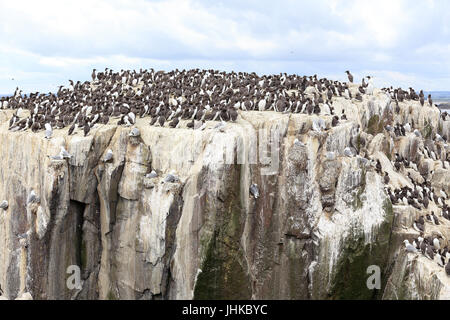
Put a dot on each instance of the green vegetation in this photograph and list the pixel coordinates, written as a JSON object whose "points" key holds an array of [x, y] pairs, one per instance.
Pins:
{"points": [[387, 148], [223, 276], [427, 130], [357, 256], [358, 143], [357, 201], [111, 295], [83, 257], [375, 126]]}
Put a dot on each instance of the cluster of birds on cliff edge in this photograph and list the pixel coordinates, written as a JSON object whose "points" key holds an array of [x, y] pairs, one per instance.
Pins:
{"points": [[431, 248], [168, 97], [423, 197]]}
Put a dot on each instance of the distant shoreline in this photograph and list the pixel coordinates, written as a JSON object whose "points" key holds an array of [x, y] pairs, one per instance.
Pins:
{"points": [[443, 105]]}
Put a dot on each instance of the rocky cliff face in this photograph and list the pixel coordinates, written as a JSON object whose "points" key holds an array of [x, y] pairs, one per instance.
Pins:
{"points": [[321, 219]]}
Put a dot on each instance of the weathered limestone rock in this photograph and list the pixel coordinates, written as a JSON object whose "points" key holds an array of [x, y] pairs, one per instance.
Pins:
{"points": [[25, 296], [319, 223]]}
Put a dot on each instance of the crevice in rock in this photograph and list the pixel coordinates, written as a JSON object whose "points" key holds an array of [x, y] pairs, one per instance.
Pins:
{"points": [[77, 209], [170, 243]]}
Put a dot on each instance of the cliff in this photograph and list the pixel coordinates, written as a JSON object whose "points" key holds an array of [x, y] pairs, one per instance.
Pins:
{"points": [[321, 219]]}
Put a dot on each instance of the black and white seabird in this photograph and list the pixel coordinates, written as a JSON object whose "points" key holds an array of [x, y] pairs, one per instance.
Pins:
{"points": [[436, 243], [421, 220], [435, 219], [4, 205], [418, 226], [86, 129], [350, 76], [71, 129], [439, 259], [335, 121], [447, 268], [429, 253], [378, 166], [386, 178], [423, 246]]}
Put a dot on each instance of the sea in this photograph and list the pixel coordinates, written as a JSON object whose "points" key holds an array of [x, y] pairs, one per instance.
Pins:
{"points": [[441, 99]]}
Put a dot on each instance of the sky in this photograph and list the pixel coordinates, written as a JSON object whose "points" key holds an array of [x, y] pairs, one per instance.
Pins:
{"points": [[398, 42]]}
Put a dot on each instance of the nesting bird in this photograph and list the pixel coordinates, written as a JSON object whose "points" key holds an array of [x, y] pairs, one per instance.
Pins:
{"points": [[32, 197], [348, 152], [409, 247], [171, 178], [134, 132], [108, 155], [386, 178], [64, 154], [153, 174], [254, 191], [48, 131], [4, 205], [298, 143], [419, 226]]}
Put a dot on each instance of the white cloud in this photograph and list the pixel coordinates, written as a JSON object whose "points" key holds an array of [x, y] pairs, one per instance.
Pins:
{"points": [[374, 21], [70, 37]]}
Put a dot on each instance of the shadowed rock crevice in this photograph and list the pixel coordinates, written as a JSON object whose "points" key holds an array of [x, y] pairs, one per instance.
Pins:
{"points": [[223, 274], [171, 225]]}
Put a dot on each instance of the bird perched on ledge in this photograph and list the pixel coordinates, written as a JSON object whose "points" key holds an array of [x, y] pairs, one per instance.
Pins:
{"points": [[386, 178], [189, 99], [350, 76], [151, 175], [4, 205], [409, 247], [254, 191], [32, 197], [134, 132], [108, 155]]}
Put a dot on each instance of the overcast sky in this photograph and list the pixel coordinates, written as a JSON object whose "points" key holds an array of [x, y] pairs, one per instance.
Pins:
{"points": [[401, 43]]}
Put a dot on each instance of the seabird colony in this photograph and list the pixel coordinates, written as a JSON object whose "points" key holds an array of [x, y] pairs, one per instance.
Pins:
{"points": [[199, 96], [168, 97]]}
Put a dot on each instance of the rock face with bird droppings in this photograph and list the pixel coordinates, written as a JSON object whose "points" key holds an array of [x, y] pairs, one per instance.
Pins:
{"points": [[289, 221]]}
